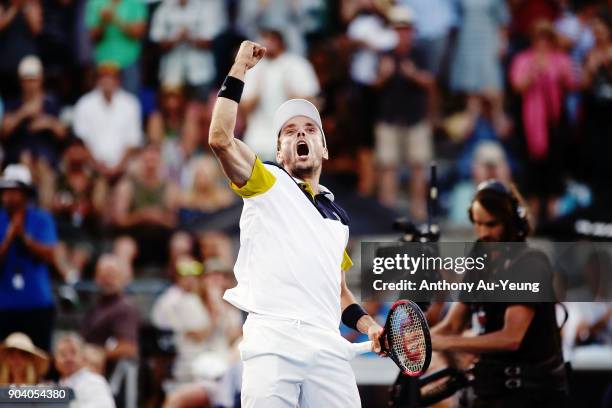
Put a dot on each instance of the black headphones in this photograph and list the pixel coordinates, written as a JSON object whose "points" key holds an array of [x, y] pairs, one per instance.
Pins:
{"points": [[518, 210]]}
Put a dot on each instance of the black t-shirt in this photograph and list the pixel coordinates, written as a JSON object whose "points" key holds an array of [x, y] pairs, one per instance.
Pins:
{"points": [[42, 143], [401, 100], [542, 339]]}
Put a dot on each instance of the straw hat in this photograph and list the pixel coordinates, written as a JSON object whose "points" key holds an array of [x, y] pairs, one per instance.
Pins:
{"points": [[20, 341]]}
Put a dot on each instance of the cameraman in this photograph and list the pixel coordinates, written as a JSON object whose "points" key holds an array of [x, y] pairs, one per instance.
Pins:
{"points": [[520, 361]]}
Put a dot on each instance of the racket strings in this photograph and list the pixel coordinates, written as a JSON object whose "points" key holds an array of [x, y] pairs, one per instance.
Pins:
{"points": [[407, 339]]}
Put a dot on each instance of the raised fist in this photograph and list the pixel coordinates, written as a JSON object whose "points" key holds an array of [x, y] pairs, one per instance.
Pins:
{"points": [[249, 54]]}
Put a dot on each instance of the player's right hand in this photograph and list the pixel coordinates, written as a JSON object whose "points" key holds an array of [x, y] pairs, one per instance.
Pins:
{"points": [[249, 54], [374, 333]]}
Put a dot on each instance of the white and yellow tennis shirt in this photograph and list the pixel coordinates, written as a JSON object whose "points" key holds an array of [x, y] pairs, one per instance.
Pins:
{"points": [[292, 248]]}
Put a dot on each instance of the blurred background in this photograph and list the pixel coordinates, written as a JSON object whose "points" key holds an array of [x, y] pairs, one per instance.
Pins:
{"points": [[131, 231]]}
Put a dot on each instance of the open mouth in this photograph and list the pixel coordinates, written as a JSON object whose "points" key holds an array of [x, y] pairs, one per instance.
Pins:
{"points": [[302, 149]]}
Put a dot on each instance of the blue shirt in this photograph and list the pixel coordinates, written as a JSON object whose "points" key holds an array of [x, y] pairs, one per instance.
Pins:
{"points": [[433, 18], [36, 291]]}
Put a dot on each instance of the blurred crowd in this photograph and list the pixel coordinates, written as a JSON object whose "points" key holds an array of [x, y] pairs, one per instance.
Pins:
{"points": [[105, 108]]}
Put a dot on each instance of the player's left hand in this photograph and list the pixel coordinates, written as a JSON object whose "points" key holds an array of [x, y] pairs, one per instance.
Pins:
{"points": [[374, 334]]}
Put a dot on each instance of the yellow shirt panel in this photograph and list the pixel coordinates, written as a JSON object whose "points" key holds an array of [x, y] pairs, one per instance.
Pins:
{"points": [[261, 180]]}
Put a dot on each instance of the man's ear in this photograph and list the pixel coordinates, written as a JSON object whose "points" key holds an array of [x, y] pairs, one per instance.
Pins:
{"points": [[279, 157], [325, 153]]}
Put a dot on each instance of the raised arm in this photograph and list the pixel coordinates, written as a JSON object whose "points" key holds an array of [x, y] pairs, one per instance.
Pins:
{"points": [[236, 158]]}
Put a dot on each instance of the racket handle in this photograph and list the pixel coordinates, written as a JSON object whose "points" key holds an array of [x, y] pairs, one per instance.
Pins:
{"points": [[361, 348]]}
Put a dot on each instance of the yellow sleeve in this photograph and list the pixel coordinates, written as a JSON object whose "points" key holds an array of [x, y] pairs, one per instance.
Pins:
{"points": [[261, 180], [347, 262]]}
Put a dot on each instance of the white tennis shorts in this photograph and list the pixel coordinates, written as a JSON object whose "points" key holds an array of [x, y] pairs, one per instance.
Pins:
{"points": [[288, 364]]}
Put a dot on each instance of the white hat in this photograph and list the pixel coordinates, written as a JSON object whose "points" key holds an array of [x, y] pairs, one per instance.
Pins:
{"points": [[16, 176], [400, 16], [30, 67], [293, 108]]}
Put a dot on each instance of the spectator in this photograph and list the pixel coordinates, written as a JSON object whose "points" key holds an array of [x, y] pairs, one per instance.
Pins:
{"points": [[91, 389], [144, 207], [542, 75], [108, 121], [117, 28], [181, 310], [78, 204], [489, 162], [21, 21], [31, 129], [113, 321], [433, 22], [597, 82], [479, 126], [184, 29], [279, 76], [576, 37], [476, 66], [21, 362], [208, 192], [369, 35], [26, 252], [403, 134], [176, 128]]}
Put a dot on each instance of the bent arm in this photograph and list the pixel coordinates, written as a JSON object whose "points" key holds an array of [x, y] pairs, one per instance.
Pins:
{"points": [[46, 253], [135, 30], [516, 322], [236, 158], [11, 121], [7, 15], [346, 299], [34, 17], [454, 322], [123, 349]]}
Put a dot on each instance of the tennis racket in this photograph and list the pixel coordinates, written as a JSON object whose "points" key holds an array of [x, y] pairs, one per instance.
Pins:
{"points": [[405, 339]]}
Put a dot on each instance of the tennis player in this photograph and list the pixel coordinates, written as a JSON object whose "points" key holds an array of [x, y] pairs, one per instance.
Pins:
{"points": [[292, 258]]}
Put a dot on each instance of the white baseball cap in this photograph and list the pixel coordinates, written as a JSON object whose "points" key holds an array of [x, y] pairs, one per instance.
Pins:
{"points": [[30, 67], [16, 176], [297, 107]]}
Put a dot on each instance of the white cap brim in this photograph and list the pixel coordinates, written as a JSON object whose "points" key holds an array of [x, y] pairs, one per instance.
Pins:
{"points": [[293, 108]]}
